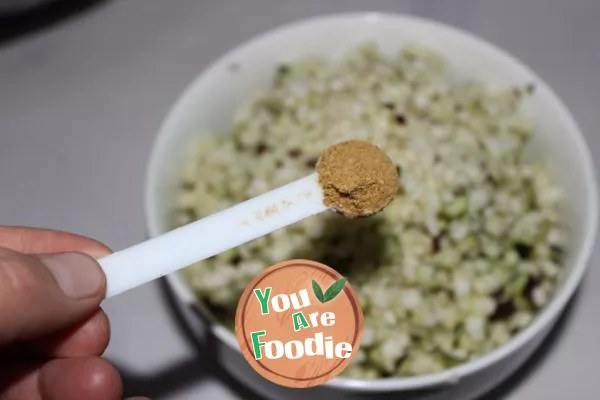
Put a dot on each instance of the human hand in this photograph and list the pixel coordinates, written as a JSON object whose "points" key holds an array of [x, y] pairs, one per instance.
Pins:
{"points": [[52, 330]]}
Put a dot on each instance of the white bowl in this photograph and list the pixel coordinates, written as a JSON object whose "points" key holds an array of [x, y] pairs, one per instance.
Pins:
{"points": [[210, 101]]}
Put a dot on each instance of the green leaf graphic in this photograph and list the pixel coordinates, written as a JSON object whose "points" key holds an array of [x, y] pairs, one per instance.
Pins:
{"points": [[334, 290], [317, 291]]}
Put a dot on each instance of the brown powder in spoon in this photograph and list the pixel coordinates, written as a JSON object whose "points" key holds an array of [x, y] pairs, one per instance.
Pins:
{"points": [[357, 178]]}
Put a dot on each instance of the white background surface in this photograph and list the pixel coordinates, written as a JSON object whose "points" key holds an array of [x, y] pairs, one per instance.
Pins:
{"points": [[80, 103]]}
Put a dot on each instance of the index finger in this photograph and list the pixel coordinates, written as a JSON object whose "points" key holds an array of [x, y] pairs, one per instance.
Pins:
{"points": [[39, 241]]}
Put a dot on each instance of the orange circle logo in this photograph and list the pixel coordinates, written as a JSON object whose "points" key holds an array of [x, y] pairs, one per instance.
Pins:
{"points": [[299, 323]]}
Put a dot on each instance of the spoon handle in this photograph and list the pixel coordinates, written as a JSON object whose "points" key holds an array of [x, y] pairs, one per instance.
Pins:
{"points": [[179, 248]]}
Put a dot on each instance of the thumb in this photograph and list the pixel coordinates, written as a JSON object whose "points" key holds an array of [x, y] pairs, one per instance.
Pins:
{"points": [[42, 294]]}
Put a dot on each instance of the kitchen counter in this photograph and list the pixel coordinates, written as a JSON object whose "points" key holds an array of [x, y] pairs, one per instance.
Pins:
{"points": [[81, 101]]}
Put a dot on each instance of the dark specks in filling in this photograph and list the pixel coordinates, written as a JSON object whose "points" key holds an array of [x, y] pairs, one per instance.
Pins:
{"points": [[187, 186], [557, 254], [530, 88], [401, 119], [236, 259], [281, 73], [532, 283], [517, 92], [283, 69], [191, 214], [311, 162], [504, 310], [523, 250], [436, 243], [261, 148], [295, 152]]}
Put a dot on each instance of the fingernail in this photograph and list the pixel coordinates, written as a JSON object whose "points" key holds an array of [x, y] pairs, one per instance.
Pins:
{"points": [[79, 276]]}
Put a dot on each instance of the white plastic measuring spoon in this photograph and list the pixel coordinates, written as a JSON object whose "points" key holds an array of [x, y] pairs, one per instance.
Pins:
{"points": [[259, 216], [199, 240]]}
